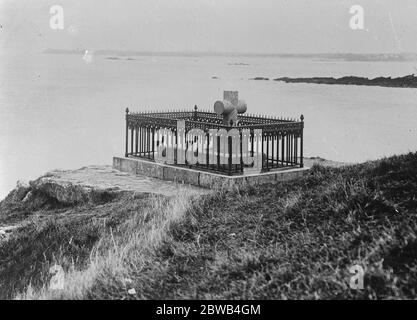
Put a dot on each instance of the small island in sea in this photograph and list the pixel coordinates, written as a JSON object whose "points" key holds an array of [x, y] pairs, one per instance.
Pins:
{"points": [[409, 81], [260, 78]]}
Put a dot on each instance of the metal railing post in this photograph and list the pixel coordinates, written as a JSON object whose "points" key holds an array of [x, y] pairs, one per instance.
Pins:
{"points": [[301, 143], [127, 134]]}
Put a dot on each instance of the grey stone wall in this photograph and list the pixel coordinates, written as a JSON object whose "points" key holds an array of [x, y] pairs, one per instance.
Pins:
{"points": [[200, 178]]}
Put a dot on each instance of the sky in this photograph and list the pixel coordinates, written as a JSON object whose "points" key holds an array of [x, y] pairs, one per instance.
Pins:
{"points": [[253, 26]]}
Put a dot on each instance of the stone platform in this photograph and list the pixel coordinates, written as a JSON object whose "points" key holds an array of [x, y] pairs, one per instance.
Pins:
{"points": [[84, 184], [201, 178]]}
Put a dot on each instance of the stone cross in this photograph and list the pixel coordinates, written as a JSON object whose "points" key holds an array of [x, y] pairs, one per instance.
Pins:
{"points": [[230, 107]]}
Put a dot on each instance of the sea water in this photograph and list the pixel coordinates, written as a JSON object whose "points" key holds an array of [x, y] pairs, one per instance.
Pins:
{"points": [[65, 111]]}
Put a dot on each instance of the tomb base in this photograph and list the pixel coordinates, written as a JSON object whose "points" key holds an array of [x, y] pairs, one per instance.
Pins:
{"points": [[202, 178]]}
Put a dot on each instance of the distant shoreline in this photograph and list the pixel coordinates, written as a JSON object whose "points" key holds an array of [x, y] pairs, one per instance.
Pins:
{"points": [[367, 57], [409, 81]]}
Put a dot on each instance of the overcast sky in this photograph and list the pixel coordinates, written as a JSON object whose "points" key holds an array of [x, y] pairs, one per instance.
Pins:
{"points": [[258, 26]]}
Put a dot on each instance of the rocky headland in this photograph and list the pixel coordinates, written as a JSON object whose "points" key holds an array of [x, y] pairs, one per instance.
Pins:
{"points": [[121, 236], [409, 81]]}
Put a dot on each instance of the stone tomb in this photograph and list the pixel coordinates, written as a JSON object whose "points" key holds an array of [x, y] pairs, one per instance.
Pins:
{"points": [[203, 148]]}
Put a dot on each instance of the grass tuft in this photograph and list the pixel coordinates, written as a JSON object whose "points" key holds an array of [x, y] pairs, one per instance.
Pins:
{"points": [[285, 240]]}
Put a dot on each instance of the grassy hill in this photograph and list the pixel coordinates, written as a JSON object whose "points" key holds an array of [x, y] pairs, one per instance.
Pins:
{"points": [[288, 240]]}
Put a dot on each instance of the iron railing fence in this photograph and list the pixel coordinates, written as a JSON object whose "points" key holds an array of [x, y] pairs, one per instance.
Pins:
{"points": [[281, 143]]}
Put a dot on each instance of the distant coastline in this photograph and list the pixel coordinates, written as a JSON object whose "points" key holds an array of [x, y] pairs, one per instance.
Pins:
{"points": [[409, 81], [313, 56]]}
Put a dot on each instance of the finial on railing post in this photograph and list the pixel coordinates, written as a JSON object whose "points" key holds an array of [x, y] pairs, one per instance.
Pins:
{"points": [[127, 110], [302, 118], [195, 112]]}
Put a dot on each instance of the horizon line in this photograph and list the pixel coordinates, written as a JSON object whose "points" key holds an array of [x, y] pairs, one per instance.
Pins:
{"points": [[215, 53]]}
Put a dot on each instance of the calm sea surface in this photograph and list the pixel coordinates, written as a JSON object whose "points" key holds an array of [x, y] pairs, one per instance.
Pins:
{"points": [[59, 111]]}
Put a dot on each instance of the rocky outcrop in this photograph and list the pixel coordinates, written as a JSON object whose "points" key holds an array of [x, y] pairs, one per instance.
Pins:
{"points": [[409, 81], [68, 193], [260, 78], [92, 184], [51, 191]]}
